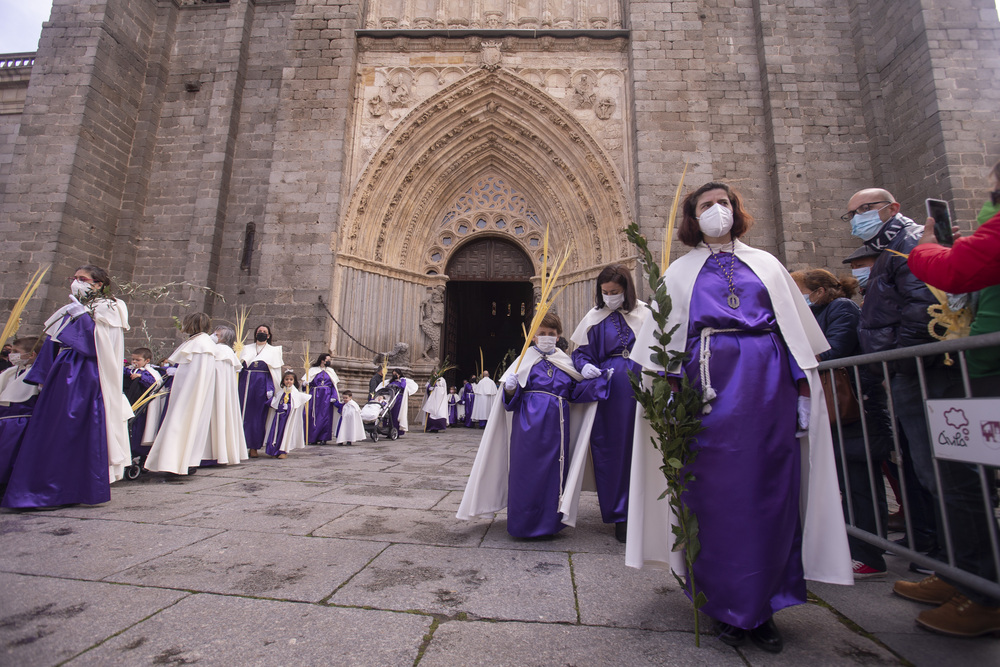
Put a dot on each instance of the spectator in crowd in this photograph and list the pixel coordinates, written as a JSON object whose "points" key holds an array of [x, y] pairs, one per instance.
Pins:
{"points": [[861, 262], [894, 315], [971, 264]]}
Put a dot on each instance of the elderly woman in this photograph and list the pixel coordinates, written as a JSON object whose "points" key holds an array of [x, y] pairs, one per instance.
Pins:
{"points": [[77, 440], [751, 346]]}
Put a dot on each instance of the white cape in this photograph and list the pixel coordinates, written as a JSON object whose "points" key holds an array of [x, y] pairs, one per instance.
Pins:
{"points": [[270, 355], [154, 410], [226, 443], [825, 554], [635, 318], [294, 436], [486, 396], [13, 389], [486, 490], [183, 437], [436, 405], [351, 428], [315, 370]]}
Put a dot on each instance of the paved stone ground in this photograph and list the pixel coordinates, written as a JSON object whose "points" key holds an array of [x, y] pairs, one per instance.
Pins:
{"points": [[353, 556]]}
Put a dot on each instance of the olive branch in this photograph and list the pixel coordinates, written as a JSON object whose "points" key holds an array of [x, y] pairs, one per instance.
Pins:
{"points": [[672, 409]]}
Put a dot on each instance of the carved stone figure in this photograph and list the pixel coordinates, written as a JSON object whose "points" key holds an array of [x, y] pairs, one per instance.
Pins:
{"points": [[377, 106], [583, 93], [431, 319], [399, 90], [605, 108]]}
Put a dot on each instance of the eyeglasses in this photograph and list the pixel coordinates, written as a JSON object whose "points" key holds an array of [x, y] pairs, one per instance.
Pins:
{"points": [[864, 208]]}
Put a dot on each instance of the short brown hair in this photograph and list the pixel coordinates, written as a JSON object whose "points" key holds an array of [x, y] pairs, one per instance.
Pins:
{"points": [[843, 287], [143, 352], [551, 321], [618, 274], [690, 234], [196, 323]]}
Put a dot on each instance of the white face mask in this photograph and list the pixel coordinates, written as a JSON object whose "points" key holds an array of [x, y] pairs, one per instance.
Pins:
{"points": [[215, 338], [79, 288], [14, 358], [614, 301], [716, 221], [546, 344]]}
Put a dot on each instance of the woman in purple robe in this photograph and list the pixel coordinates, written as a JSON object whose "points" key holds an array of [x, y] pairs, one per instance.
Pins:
{"points": [[452, 407], [261, 374], [540, 433], [64, 456], [605, 337], [750, 345], [322, 386]]}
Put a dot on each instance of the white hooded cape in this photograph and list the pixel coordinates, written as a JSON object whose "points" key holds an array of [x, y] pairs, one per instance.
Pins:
{"points": [[825, 554], [351, 428], [436, 405], [316, 370], [294, 436], [486, 397], [226, 444], [270, 355], [13, 389], [486, 490], [183, 437]]}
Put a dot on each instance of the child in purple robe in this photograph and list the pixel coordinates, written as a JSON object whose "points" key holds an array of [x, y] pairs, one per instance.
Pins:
{"points": [[605, 337], [452, 407], [525, 460], [139, 376], [285, 430], [468, 399]]}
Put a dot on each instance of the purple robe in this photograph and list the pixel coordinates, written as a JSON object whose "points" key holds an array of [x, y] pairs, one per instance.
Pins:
{"points": [[272, 443], [320, 408], [400, 384], [254, 385], [14, 419], [614, 423], [468, 398], [539, 456], [452, 409], [133, 390], [747, 472], [434, 425], [63, 457]]}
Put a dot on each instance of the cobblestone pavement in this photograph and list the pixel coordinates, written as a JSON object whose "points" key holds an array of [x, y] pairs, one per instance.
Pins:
{"points": [[353, 556]]}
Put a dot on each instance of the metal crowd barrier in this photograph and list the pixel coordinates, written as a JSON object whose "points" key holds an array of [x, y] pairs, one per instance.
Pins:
{"points": [[956, 349]]}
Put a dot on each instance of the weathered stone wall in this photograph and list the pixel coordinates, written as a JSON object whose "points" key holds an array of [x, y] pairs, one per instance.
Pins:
{"points": [[155, 133]]}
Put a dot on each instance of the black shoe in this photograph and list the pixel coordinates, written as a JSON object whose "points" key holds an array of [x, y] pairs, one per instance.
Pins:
{"points": [[731, 635], [767, 637], [621, 531]]}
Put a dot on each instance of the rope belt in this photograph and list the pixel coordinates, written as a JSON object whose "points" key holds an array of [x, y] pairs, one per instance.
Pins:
{"points": [[562, 439], [705, 355]]}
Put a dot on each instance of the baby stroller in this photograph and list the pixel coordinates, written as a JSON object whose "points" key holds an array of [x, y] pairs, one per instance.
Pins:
{"points": [[140, 451], [376, 414]]}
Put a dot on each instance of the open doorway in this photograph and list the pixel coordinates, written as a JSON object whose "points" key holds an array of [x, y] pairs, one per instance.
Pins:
{"points": [[488, 298]]}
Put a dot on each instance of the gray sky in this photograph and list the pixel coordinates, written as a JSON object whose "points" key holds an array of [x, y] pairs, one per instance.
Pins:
{"points": [[21, 23]]}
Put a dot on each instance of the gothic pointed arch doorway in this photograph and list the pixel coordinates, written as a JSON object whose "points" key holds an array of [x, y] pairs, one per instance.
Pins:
{"points": [[487, 298]]}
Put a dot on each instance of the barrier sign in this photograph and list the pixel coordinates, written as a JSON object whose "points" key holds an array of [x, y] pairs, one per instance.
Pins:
{"points": [[966, 429]]}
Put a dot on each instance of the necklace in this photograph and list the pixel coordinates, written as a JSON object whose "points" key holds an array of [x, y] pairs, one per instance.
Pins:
{"points": [[732, 300], [622, 338]]}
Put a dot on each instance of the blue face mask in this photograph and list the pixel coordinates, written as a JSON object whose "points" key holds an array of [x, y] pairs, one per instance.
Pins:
{"points": [[862, 275], [808, 300], [866, 225]]}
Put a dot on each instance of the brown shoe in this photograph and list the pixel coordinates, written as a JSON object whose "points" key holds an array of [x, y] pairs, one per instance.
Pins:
{"points": [[930, 590], [282, 455], [961, 617], [252, 453]]}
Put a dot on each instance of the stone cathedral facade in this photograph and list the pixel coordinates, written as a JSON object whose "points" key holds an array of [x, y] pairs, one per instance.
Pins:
{"points": [[364, 173]]}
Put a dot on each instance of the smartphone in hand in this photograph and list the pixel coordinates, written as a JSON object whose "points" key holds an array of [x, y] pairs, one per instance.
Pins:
{"points": [[938, 209]]}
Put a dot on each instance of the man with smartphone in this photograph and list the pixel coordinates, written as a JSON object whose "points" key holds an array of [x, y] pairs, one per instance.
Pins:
{"points": [[894, 315]]}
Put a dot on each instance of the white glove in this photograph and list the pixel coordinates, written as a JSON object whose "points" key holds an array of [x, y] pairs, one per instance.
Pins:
{"points": [[76, 309], [510, 384], [171, 370], [590, 371], [805, 405], [270, 394]]}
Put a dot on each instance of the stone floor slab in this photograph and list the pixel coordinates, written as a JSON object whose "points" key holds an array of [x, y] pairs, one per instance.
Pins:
{"points": [[538, 644], [484, 583], [143, 505], [405, 525], [289, 517], [591, 534], [215, 630], [86, 549], [44, 620], [269, 489], [285, 567], [382, 496]]}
